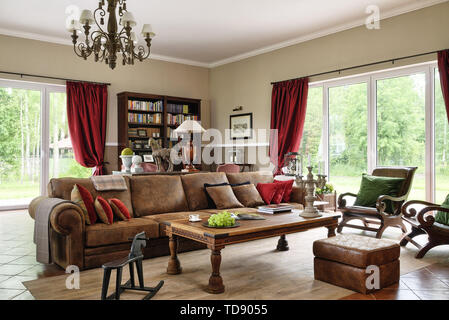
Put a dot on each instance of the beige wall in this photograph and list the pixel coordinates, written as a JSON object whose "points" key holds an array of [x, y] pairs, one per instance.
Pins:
{"points": [[247, 82], [154, 76]]}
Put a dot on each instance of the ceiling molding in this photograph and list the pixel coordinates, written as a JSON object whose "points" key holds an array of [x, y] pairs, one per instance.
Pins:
{"points": [[384, 15], [389, 14], [68, 42]]}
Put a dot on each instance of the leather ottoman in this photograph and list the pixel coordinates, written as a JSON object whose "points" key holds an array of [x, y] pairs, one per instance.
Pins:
{"points": [[349, 260]]}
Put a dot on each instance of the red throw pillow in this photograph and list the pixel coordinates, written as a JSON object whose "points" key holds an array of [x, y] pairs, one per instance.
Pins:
{"points": [[104, 210], [86, 203], [269, 192], [288, 186], [119, 209]]}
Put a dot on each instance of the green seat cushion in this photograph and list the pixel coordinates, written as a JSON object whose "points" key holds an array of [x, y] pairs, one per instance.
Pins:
{"points": [[372, 187], [443, 217]]}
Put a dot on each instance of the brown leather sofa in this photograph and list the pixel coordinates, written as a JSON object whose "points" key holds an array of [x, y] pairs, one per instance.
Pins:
{"points": [[151, 200]]}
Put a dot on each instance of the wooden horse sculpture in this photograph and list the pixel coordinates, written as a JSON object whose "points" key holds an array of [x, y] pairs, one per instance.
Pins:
{"points": [[161, 156], [135, 256]]}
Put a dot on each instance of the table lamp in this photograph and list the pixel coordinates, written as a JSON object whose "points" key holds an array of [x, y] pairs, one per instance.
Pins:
{"points": [[190, 127]]}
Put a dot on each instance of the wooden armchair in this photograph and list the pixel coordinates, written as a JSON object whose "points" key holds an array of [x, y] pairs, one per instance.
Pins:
{"points": [[378, 215], [424, 223]]}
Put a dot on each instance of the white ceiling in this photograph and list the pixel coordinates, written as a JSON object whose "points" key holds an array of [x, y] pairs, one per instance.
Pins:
{"points": [[209, 32]]}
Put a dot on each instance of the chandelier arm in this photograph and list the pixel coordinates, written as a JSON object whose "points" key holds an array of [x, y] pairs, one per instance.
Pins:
{"points": [[141, 54], [83, 50], [102, 13]]}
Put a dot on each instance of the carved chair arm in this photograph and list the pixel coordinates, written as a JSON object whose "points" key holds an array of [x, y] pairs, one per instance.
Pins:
{"points": [[381, 204], [411, 212], [342, 201], [425, 219]]}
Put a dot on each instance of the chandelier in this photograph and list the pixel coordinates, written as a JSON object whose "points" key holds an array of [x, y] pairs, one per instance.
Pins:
{"points": [[106, 46]]}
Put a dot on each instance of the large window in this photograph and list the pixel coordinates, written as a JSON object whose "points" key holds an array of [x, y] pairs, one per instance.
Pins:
{"points": [[20, 145], [312, 135], [34, 141], [347, 135], [62, 160], [441, 144], [401, 126], [395, 117]]}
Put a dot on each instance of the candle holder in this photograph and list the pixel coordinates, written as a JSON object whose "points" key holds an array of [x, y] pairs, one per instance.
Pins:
{"points": [[309, 184]]}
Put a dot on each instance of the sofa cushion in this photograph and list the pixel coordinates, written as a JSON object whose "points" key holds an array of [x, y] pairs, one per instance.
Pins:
{"points": [[223, 197], [271, 192], [288, 186], [194, 188], [62, 188], [253, 177], [157, 194], [248, 195], [82, 197], [160, 218], [104, 210], [101, 234], [121, 212]]}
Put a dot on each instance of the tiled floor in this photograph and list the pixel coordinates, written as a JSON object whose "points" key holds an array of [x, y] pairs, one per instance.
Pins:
{"points": [[18, 264], [18, 256], [429, 283]]}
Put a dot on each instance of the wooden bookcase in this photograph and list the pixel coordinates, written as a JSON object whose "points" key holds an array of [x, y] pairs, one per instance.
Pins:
{"points": [[128, 103]]}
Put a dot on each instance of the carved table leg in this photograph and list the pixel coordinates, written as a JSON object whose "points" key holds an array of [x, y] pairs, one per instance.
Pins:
{"points": [[215, 280], [331, 231], [282, 244], [174, 266]]}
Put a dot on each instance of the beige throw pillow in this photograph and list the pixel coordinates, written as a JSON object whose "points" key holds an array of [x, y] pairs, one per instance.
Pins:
{"points": [[248, 195], [223, 197]]}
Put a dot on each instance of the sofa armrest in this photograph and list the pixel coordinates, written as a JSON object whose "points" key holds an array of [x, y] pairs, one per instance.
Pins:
{"points": [[297, 195], [33, 206], [67, 218]]}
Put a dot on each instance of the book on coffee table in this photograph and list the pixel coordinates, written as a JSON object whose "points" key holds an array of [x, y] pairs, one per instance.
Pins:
{"points": [[275, 208], [248, 216]]}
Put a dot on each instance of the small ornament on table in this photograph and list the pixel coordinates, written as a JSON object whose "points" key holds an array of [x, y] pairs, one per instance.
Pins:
{"points": [[309, 184]]}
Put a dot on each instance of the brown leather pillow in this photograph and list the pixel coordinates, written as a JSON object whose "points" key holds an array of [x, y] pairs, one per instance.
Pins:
{"points": [[248, 195], [223, 197]]}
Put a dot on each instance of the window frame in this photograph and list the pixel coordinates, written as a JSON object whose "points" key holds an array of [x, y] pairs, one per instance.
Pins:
{"points": [[45, 91], [371, 78]]}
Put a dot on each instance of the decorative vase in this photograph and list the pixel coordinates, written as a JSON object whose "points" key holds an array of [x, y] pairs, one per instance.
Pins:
{"points": [[136, 161], [127, 162]]}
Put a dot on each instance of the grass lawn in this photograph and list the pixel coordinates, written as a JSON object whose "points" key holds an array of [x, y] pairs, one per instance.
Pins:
{"points": [[17, 190]]}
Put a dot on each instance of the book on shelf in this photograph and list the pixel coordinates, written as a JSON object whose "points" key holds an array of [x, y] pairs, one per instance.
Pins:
{"points": [[150, 132], [178, 108], [155, 118], [275, 208], [173, 119], [157, 106]]}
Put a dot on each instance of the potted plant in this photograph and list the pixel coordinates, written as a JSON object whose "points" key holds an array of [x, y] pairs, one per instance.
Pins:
{"points": [[327, 194]]}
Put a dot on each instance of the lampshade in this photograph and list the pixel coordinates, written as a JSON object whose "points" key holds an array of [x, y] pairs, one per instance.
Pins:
{"points": [[128, 17], [147, 30], [190, 126], [87, 17], [73, 25]]}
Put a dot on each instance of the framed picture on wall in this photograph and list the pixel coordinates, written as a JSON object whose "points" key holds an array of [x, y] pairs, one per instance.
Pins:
{"points": [[148, 158], [241, 126]]}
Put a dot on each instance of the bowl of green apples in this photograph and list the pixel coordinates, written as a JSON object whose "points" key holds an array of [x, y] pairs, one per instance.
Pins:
{"points": [[222, 219]]}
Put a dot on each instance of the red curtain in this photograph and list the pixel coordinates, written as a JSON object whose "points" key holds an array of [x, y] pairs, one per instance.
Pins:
{"points": [[443, 68], [288, 112], [86, 115]]}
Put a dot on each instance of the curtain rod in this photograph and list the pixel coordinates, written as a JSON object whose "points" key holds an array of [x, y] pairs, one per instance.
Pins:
{"points": [[361, 66], [48, 77]]}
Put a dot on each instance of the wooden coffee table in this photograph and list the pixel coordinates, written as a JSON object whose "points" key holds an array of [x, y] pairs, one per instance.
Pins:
{"points": [[216, 239]]}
